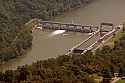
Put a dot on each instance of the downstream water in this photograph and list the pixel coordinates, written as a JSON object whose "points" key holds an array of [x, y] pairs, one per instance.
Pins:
{"points": [[47, 44]]}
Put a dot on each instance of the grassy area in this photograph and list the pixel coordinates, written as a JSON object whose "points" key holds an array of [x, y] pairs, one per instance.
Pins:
{"points": [[97, 78], [121, 81], [117, 36], [110, 42]]}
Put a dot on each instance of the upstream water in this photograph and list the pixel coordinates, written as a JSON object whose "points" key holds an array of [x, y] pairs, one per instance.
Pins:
{"points": [[47, 44]]}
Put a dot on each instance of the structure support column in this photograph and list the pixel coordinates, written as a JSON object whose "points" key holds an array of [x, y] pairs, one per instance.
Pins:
{"points": [[123, 27], [100, 30]]}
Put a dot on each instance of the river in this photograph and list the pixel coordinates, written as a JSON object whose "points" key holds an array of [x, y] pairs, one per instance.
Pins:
{"points": [[47, 44]]}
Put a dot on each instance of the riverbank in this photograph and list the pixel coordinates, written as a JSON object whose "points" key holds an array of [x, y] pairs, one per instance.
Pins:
{"points": [[49, 12], [57, 45], [86, 68]]}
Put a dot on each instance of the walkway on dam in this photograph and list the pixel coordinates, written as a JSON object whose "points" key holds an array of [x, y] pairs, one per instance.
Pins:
{"points": [[98, 33], [68, 26]]}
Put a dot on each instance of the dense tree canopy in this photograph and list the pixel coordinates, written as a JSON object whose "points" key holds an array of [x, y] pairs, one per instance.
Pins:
{"points": [[74, 68], [15, 39]]}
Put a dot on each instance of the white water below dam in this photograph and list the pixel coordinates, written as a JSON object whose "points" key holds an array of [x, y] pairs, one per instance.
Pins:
{"points": [[48, 44]]}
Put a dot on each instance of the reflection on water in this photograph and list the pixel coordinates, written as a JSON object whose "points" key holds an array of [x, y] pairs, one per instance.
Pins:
{"points": [[45, 47], [97, 12], [57, 32]]}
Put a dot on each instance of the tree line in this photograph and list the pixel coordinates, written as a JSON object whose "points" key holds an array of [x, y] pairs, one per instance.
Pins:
{"points": [[15, 13], [16, 38], [72, 68]]}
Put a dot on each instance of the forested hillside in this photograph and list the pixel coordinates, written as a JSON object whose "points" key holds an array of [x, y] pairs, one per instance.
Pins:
{"points": [[72, 68], [15, 39]]}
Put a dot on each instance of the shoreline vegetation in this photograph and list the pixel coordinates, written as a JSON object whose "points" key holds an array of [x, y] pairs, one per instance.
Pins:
{"points": [[90, 67], [14, 14], [80, 68]]}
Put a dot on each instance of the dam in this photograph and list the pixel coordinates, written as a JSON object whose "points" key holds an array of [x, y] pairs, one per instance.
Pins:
{"points": [[93, 14]]}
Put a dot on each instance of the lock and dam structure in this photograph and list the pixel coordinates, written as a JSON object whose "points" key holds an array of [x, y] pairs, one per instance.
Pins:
{"points": [[98, 33]]}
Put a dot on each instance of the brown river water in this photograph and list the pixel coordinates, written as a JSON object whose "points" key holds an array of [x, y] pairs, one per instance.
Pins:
{"points": [[47, 44]]}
